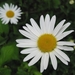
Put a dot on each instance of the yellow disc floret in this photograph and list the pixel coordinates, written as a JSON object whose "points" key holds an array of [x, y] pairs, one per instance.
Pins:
{"points": [[46, 42], [10, 14]]}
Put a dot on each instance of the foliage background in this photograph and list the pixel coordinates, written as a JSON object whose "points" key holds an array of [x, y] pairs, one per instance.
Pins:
{"points": [[11, 61]]}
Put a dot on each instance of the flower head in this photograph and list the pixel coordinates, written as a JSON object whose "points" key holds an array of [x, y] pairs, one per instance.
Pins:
{"points": [[10, 13], [44, 42]]}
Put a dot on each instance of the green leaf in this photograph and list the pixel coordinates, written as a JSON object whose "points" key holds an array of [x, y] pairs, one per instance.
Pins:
{"points": [[8, 52]]}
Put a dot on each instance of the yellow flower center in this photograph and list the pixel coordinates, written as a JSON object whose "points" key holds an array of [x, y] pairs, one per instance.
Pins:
{"points": [[46, 43], [9, 14]]}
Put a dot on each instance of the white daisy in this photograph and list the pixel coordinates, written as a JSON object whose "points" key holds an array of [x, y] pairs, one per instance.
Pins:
{"points": [[44, 42], [10, 13]]}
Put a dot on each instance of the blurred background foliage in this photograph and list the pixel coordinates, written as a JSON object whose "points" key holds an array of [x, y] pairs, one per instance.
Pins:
{"points": [[11, 61]]}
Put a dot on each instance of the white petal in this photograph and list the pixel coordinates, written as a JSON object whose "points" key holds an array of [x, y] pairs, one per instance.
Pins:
{"points": [[31, 55], [26, 34], [2, 11], [58, 27], [42, 24], [63, 28], [53, 60], [52, 23], [66, 48], [35, 59], [64, 34], [26, 28], [31, 33], [3, 22], [33, 30], [66, 43], [6, 6], [28, 50], [7, 21], [16, 7], [62, 54], [42, 64], [13, 21], [24, 41], [61, 58], [35, 25], [47, 23], [11, 6], [23, 45], [46, 60]]}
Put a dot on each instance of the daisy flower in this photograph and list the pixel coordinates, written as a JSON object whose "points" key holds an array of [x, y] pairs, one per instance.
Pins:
{"points": [[10, 13], [44, 42]]}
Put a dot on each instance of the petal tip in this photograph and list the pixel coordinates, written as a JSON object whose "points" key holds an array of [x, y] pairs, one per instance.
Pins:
{"points": [[31, 19], [54, 16], [47, 14], [17, 45], [29, 64], [21, 52], [16, 40], [55, 68]]}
